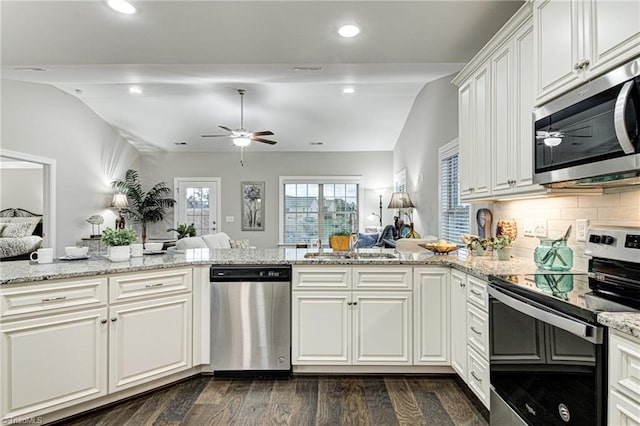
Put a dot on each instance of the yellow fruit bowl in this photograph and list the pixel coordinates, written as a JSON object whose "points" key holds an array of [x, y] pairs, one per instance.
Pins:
{"points": [[439, 248]]}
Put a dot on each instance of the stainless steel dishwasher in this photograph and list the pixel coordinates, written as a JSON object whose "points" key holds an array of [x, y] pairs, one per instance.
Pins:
{"points": [[251, 319]]}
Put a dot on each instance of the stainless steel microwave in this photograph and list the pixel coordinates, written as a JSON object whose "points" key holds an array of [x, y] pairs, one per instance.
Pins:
{"points": [[591, 135]]}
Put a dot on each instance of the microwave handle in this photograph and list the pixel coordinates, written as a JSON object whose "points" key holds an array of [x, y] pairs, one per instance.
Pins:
{"points": [[586, 331], [619, 120]]}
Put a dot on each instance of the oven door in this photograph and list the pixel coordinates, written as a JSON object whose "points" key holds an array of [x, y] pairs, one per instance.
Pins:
{"points": [[547, 367]]}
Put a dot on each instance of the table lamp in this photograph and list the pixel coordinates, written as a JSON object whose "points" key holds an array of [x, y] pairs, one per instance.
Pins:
{"points": [[119, 202], [401, 201]]}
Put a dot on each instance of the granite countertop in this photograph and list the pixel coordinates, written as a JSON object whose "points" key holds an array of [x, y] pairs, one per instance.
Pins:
{"points": [[26, 271], [479, 266]]}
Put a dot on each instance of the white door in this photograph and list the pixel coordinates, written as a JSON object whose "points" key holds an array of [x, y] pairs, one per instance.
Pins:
{"points": [[149, 340], [321, 328], [459, 323], [198, 202], [382, 328], [52, 362], [431, 316]]}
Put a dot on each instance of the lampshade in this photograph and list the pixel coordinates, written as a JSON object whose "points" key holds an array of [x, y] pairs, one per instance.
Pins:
{"points": [[400, 200], [119, 201]]}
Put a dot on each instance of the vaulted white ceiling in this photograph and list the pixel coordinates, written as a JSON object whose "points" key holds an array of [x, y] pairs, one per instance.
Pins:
{"points": [[189, 57]]}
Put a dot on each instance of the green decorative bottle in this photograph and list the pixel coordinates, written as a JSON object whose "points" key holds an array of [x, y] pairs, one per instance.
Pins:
{"points": [[553, 255]]}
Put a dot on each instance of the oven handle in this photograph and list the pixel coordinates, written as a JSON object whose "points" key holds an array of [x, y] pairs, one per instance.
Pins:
{"points": [[619, 118], [586, 331]]}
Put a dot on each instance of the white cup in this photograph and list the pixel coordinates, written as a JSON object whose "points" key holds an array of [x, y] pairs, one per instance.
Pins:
{"points": [[136, 250], [43, 255]]}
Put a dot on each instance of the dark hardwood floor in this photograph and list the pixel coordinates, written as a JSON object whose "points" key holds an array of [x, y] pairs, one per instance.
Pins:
{"points": [[302, 400]]}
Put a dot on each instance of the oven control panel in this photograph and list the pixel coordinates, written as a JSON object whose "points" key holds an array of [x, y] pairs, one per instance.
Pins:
{"points": [[618, 243]]}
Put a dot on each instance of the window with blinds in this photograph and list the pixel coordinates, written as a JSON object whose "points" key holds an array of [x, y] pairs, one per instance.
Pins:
{"points": [[317, 209], [454, 216]]}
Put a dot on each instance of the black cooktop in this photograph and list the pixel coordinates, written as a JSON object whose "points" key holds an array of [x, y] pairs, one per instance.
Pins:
{"points": [[568, 293]]}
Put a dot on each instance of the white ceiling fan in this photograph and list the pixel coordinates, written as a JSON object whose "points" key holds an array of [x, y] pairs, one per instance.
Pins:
{"points": [[242, 137]]}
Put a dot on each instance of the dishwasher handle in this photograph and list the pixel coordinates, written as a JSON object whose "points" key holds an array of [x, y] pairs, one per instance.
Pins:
{"points": [[255, 273]]}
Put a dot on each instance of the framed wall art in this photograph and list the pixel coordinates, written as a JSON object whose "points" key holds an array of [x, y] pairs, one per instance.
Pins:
{"points": [[252, 210]]}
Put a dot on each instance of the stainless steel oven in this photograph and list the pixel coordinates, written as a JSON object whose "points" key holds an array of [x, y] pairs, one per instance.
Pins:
{"points": [[592, 134], [548, 354]]}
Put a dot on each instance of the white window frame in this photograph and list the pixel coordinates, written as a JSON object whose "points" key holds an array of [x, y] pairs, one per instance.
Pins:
{"points": [[445, 151], [314, 179]]}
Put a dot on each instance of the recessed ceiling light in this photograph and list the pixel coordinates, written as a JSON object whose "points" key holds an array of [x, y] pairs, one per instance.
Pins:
{"points": [[135, 90], [122, 6], [180, 143], [29, 69], [307, 68], [349, 30], [316, 143], [348, 90]]}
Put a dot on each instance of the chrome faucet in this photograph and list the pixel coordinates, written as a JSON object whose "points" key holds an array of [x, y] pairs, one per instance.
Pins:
{"points": [[353, 237]]}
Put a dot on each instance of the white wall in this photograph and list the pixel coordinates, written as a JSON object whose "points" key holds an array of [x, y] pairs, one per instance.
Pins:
{"points": [[432, 122], [41, 120], [21, 188], [374, 167]]}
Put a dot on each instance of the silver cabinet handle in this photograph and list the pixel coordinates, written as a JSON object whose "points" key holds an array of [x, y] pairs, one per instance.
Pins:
{"points": [[475, 331], [154, 285], [476, 292], [462, 284], [54, 299], [104, 321], [114, 319], [349, 303], [355, 303], [576, 66], [619, 121], [585, 63], [476, 377]]}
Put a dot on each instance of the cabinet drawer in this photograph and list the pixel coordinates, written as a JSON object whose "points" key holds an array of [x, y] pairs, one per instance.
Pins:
{"points": [[477, 292], [478, 330], [142, 285], [478, 379], [624, 365], [622, 411], [321, 277], [386, 277], [29, 299]]}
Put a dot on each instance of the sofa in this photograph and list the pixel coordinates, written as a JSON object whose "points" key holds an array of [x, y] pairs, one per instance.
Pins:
{"points": [[219, 240]]}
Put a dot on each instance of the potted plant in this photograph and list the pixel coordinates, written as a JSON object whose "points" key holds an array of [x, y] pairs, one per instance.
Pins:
{"points": [[118, 240], [339, 241], [144, 207], [477, 244], [502, 245], [184, 230]]}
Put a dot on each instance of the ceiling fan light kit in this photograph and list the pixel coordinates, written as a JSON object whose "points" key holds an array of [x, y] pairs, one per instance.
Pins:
{"points": [[122, 6], [349, 30]]}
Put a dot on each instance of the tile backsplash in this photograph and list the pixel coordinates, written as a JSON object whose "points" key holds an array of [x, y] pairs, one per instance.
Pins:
{"points": [[617, 206]]}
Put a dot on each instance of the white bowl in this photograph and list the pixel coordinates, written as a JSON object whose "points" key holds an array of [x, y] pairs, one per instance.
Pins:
{"points": [[153, 246], [76, 251]]}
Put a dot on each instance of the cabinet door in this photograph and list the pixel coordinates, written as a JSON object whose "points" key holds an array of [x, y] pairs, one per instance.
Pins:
{"points": [[481, 147], [52, 362], [615, 33], [431, 316], [465, 128], [321, 328], [523, 105], [557, 46], [149, 340], [459, 323], [382, 328], [502, 143]]}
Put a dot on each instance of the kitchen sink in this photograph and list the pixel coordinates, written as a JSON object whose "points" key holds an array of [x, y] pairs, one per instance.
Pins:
{"points": [[346, 255]]}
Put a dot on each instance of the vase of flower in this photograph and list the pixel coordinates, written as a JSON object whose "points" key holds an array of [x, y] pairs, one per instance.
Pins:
{"points": [[502, 246]]}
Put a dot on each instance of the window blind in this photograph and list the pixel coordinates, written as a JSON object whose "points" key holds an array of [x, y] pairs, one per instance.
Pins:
{"points": [[454, 215]]}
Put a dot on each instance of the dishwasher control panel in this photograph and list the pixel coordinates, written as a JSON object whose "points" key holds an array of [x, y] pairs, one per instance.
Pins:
{"points": [[250, 273]]}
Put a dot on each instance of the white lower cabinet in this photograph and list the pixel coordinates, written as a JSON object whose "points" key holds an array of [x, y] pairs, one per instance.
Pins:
{"points": [[431, 301], [459, 323], [52, 362], [355, 327], [478, 377], [149, 340], [624, 379]]}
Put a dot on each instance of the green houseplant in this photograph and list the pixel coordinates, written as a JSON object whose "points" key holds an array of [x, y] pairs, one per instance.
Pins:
{"points": [[502, 245], [184, 230], [144, 207], [118, 240]]}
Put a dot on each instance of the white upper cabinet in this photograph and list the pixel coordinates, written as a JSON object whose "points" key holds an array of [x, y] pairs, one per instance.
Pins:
{"points": [[576, 40]]}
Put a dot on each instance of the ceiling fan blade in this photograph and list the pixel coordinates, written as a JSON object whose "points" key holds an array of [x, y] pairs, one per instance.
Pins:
{"points": [[214, 136], [262, 133], [264, 140], [226, 128]]}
